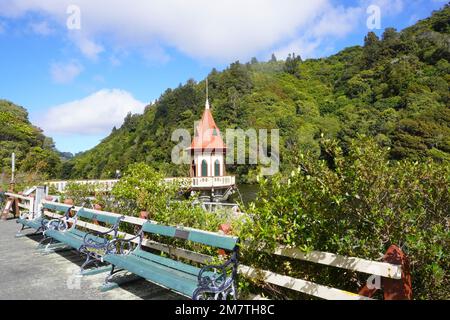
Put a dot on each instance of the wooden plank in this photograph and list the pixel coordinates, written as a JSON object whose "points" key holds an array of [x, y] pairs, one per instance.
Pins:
{"points": [[140, 222], [268, 276], [178, 252], [207, 238], [382, 269], [24, 206], [18, 196], [7, 208], [300, 285]]}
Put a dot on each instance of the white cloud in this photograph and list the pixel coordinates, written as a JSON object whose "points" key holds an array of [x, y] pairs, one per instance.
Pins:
{"points": [[338, 21], [305, 48], [335, 22], [203, 29], [65, 72], [89, 48], [388, 7], [41, 28], [92, 115]]}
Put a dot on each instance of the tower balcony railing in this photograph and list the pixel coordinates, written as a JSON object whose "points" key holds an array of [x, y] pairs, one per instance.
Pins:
{"points": [[196, 182], [213, 182], [206, 182]]}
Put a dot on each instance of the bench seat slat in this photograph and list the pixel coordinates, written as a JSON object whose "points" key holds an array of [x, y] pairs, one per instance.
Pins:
{"points": [[73, 237], [182, 282], [167, 262], [69, 238], [32, 223]]}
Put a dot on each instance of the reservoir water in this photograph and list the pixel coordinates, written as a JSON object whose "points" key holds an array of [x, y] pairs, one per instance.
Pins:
{"points": [[246, 194]]}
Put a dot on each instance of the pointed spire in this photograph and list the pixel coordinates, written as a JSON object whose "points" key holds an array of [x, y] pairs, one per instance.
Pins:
{"points": [[207, 97]]}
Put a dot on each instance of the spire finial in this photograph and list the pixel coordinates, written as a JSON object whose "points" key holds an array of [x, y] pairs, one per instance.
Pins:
{"points": [[207, 97]]}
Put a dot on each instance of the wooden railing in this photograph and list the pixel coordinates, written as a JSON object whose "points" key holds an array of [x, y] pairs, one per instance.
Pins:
{"points": [[26, 204], [375, 268], [101, 185]]}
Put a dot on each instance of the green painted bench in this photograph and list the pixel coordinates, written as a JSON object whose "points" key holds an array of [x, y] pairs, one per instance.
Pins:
{"points": [[91, 243], [38, 221], [209, 282]]}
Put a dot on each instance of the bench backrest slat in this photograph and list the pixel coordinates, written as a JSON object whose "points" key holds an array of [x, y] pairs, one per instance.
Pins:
{"points": [[207, 238], [95, 215], [56, 206], [82, 212]]}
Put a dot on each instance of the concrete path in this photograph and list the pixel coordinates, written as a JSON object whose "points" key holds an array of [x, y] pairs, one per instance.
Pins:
{"points": [[26, 273]]}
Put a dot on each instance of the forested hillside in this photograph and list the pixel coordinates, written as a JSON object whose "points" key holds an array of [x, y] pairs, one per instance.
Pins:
{"points": [[35, 152], [394, 88]]}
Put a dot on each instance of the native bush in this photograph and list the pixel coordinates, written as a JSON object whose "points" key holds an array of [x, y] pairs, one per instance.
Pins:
{"points": [[81, 194], [358, 204]]}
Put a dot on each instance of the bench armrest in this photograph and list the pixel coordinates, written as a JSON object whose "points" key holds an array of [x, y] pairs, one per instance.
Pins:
{"points": [[61, 223], [221, 280], [123, 246], [54, 224], [92, 240], [89, 241]]}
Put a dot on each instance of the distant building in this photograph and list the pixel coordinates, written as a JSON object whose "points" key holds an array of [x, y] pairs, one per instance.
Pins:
{"points": [[208, 151]]}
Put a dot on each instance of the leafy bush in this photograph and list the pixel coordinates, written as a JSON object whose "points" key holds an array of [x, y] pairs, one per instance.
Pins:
{"points": [[142, 188], [81, 194], [359, 205]]}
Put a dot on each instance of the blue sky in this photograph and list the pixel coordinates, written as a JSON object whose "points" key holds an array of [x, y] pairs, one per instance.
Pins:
{"points": [[79, 70]]}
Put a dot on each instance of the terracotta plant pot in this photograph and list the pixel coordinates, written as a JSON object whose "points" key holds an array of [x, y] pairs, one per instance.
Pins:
{"points": [[144, 215], [225, 228], [68, 201]]}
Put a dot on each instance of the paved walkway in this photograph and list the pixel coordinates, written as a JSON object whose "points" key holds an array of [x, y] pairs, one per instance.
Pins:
{"points": [[26, 273]]}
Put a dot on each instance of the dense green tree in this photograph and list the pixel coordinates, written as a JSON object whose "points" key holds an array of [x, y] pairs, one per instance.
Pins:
{"points": [[35, 152], [395, 89], [356, 204]]}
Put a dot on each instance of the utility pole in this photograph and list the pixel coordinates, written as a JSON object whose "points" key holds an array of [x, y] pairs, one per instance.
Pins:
{"points": [[13, 169]]}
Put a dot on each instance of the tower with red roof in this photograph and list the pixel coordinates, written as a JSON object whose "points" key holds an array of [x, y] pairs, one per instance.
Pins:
{"points": [[208, 151]]}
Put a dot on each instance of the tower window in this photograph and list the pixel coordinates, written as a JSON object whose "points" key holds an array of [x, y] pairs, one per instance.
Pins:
{"points": [[217, 168], [215, 132], [204, 168]]}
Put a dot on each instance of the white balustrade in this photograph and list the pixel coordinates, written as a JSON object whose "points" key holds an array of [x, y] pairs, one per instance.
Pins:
{"points": [[197, 182]]}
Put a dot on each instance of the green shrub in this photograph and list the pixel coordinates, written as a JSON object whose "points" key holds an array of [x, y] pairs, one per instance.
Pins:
{"points": [[358, 205], [81, 194]]}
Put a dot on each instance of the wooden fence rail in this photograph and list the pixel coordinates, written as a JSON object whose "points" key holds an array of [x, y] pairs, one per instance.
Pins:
{"points": [[376, 268], [382, 269]]}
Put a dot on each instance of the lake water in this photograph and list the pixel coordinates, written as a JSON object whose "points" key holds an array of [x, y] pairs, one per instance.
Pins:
{"points": [[247, 193]]}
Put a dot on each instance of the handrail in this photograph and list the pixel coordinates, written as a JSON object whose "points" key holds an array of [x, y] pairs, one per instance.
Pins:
{"points": [[15, 195], [376, 268]]}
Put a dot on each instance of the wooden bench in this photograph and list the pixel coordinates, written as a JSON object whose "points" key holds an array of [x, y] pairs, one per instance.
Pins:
{"points": [[209, 282], [37, 220], [91, 243]]}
